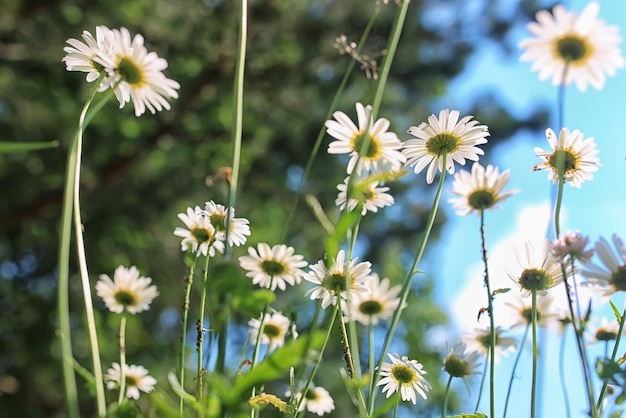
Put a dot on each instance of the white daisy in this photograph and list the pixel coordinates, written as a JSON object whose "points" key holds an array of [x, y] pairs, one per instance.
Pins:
{"points": [[479, 190], [275, 328], [610, 276], [583, 48], [538, 269], [137, 379], [317, 401], [572, 243], [239, 227], [344, 277], [200, 236], [521, 308], [80, 55], [404, 375], [383, 147], [139, 73], [377, 305], [446, 134], [459, 362], [606, 331], [365, 193], [127, 292], [480, 340], [272, 267], [571, 155]]}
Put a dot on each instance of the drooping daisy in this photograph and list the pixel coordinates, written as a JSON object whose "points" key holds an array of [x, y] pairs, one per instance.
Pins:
{"points": [[139, 73], [239, 227], [127, 292], [275, 328], [377, 305], [605, 332], [344, 277], [480, 340], [272, 267], [317, 401], [137, 379], [458, 139], [459, 362], [581, 48], [572, 243], [521, 308], [364, 193], [571, 155], [404, 375], [538, 269], [80, 55], [479, 190], [610, 276], [383, 147], [200, 236]]}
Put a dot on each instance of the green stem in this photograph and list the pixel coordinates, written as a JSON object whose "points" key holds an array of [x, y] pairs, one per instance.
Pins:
{"points": [[395, 408], [181, 365], [517, 358], [257, 348], [122, 395], [200, 329], [482, 385], [492, 343], [605, 382], [562, 374], [406, 287], [446, 396], [533, 394]]}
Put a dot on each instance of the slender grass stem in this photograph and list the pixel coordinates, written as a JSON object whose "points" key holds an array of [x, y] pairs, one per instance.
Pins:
{"points": [[122, 394], [406, 286], [446, 397], [482, 385], [257, 348], [568, 412], [533, 393], [183, 342], [200, 338], [517, 358], [492, 341]]}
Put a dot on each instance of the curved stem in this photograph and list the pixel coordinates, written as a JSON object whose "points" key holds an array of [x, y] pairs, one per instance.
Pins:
{"points": [[492, 343], [446, 396], [181, 365], [122, 395], [517, 358], [406, 287]]}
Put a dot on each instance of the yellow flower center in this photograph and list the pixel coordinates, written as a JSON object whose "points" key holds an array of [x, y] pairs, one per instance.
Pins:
{"points": [[335, 282], [130, 71], [370, 307], [125, 298], [573, 49], [603, 334], [272, 267], [201, 235], [447, 142], [272, 331], [534, 279], [618, 278], [457, 367], [366, 146], [403, 374], [481, 199], [218, 220], [564, 162]]}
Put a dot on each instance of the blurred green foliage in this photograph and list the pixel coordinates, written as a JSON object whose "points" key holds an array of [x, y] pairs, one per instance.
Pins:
{"points": [[138, 173]]}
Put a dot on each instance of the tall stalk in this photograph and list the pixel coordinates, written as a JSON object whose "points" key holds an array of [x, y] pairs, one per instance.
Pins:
{"points": [[492, 326]]}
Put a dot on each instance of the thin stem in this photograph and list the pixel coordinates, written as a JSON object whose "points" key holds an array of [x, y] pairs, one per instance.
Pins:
{"points": [[446, 396], [257, 348], [561, 98], [200, 329], [492, 343], [395, 408], [406, 287], [605, 382], [517, 358], [533, 393], [482, 384], [562, 373], [181, 365], [122, 395]]}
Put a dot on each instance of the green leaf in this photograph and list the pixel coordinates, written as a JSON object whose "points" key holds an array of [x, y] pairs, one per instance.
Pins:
{"points": [[618, 316], [26, 146], [476, 415], [345, 222], [501, 290], [252, 303]]}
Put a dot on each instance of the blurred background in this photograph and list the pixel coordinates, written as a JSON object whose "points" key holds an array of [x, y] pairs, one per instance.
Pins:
{"points": [[139, 173]]}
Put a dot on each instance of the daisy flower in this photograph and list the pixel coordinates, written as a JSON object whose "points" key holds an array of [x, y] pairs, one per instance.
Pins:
{"points": [[521, 308], [127, 292], [139, 73], [479, 190], [200, 236], [317, 401], [572, 243], [606, 331], [538, 270], [610, 276], [571, 48], [344, 277], [462, 363], [239, 227], [480, 341], [365, 193], [137, 379], [377, 305], [382, 146], [275, 328], [571, 156], [403, 375], [444, 135], [81, 55], [272, 267]]}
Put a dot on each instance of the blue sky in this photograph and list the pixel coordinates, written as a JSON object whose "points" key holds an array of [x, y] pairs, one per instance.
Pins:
{"points": [[597, 209]]}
